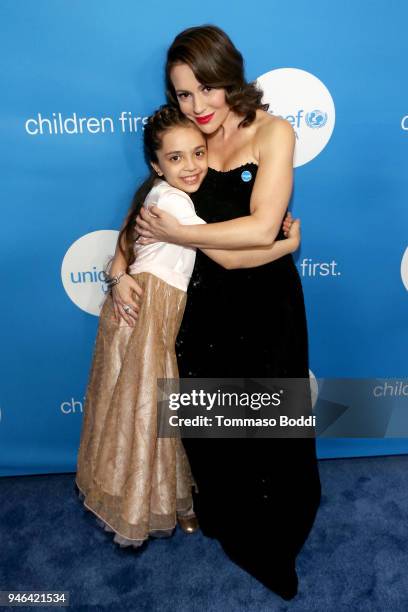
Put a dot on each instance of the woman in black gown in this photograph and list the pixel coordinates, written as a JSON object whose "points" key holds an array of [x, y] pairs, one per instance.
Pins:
{"points": [[258, 497]]}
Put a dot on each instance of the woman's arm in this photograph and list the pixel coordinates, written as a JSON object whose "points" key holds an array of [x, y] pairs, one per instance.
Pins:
{"points": [[275, 144], [251, 258]]}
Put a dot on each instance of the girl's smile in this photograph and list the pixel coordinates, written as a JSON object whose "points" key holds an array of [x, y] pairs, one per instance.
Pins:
{"points": [[182, 158]]}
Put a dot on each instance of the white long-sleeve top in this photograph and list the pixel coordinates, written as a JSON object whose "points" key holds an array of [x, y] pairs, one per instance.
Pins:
{"points": [[172, 263]]}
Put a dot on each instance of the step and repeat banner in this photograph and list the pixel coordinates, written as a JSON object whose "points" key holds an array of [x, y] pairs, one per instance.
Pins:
{"points": [[78, 81]]}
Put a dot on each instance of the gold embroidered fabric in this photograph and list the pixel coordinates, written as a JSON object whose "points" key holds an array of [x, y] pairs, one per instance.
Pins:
{"points": [[132, 480]]}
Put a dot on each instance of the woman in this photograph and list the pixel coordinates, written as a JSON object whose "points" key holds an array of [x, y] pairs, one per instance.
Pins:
{"points": [[259, 498]]}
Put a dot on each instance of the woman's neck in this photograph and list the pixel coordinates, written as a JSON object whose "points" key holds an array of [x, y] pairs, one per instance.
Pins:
{"points": [[231, 146], [227, 129]]}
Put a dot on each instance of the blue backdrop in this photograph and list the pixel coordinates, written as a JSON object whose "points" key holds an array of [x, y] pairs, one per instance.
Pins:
{"points": [[103, 62]]}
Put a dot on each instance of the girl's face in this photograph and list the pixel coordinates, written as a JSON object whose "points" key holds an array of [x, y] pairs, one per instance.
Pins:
{"points": [[182, 158], [205, 106]]}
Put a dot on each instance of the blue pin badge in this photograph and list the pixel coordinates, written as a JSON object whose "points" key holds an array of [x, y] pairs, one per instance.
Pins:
{"points": [[246, 176]]}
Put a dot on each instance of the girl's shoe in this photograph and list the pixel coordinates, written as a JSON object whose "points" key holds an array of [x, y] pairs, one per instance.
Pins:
{"points": [[189, 524]]}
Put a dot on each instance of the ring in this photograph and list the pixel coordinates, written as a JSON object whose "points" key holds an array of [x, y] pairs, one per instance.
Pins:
{"points": [[126, 308]]}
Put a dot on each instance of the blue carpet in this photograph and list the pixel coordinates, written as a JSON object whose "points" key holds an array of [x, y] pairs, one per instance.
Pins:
{"points": [[353, 560]]}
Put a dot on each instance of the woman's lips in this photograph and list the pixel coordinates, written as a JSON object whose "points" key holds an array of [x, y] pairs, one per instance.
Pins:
{"points": [[204, 119]]}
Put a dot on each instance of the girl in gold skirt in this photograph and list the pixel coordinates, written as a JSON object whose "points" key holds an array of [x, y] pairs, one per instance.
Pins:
{"points": [[136, 483]]}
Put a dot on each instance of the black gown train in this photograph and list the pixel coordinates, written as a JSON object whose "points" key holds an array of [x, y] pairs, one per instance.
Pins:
{"points": [[258, 497]]}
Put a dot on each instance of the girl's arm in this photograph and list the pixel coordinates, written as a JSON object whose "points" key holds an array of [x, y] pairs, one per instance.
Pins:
{"points": [[251, 258], [127, 292], [118, 262], [274, 145]]}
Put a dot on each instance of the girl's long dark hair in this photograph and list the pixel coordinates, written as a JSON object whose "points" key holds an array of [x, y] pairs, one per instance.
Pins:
{"points": [[215, 62], [165, 118]]}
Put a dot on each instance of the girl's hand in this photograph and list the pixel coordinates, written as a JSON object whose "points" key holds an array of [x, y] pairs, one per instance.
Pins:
{"points": [[126, 296], [294, 233], [286, 225], [156, 225]]}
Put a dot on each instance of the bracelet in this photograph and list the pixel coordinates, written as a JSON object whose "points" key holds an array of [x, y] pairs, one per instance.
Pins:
{"points": [[111, 281]]}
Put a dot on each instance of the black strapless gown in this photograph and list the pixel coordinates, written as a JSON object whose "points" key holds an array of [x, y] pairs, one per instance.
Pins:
{"points": [[258, 497]]}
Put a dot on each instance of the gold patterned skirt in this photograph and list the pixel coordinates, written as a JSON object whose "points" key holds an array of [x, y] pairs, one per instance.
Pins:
{"points": [[135, 482]]}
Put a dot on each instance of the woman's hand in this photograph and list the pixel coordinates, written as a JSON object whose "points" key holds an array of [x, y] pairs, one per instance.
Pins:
{"points": [[294, 233], [286, 225], [126, 296], [156, 225]]}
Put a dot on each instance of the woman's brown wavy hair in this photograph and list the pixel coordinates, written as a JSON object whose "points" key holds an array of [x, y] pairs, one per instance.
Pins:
{"points": [[215, 62]]}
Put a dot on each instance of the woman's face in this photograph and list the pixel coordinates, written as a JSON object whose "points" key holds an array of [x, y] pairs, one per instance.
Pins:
{"points": [[203, 105]]}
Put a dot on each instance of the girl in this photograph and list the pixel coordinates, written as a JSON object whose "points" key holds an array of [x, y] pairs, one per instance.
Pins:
{"points": [[134, 481]]}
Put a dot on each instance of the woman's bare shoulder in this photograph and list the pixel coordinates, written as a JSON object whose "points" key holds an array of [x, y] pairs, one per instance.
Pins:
{"points": [[272, 124], [272, 132]]}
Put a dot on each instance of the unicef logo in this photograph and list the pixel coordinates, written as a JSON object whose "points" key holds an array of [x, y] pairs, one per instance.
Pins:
{"points": [[404, 269], [303, 100], [246, 176], [82, 269], [316, 119]]}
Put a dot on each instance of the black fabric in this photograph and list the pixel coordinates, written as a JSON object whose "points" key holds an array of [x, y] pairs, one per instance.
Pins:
{"points": [[259, 498]]}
